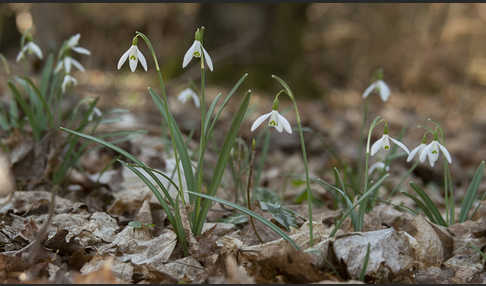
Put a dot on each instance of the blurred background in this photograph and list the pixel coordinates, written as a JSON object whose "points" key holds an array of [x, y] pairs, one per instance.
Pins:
{"points": [[433, 55], [421, 47]]}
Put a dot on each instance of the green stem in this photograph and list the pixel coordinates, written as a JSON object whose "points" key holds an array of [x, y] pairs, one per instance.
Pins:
{"points": [[304, 156], [166, 106], [361, 137], [202, 142]]}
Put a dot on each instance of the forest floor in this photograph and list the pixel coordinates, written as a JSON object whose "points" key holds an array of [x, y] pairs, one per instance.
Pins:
{"points": [[107, 227]]}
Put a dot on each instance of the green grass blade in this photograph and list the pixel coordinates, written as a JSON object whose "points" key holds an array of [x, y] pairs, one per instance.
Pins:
{"points": [[179, 142], [175, 221], [365, 264], [471, 193], [211, 111], [27, 110], [363, 197], [209, 131], [40, 97], [3, 120], [222, 161], [104, 143], [250, 213], [422, 206], [429, 204], [46, 75]]}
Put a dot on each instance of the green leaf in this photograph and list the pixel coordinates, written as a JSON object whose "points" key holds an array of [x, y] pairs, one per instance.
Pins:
{"points": [[222, 161], [266, 195], [236, 219], [179, 142], [27, 110], [209, 131], [365, 264], [284, 216], [46, 75], [363, 197], [252, 214], [471, 193], [429, 204]]}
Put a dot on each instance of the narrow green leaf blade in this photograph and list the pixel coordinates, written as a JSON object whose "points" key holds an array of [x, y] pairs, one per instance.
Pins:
{"points": [[471, 193]]}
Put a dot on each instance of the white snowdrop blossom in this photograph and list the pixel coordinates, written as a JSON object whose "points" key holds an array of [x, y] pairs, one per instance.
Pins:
{"points": [[196, 50], [73, 45], [431, 151], [96, 112], [30, 48], [415, 151], [378, 165], [381, 86], [186, 94], [66, 63], [384, 143], [134, 55], [276, 120], [68, 80]]}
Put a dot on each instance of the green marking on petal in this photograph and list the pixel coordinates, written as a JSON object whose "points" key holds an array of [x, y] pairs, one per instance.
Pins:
{"points": [[272, 123], [434, 152], [387, 147], [197, 54], [132, 57]]}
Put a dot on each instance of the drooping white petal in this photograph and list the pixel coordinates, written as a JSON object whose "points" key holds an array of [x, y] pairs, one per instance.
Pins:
{"points": [[376, 146], [384, 90], [58, 66], [259, 121], [67, 64], [21, 53], [431, 159], [207, 58], [377, 165], [133, 59], [77, 64], [140, 56], [285, 123], [369, 90], [81, 50], [423, 153], [275, 121], [195, 98], [35, 49], [123, 59], [445, 152], [400, 144], [73, 41], [67, 81], [416, 150], [189, 55]]}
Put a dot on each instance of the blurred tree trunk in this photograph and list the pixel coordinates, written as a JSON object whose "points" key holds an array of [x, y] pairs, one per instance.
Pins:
{"points": [[276, 47]]}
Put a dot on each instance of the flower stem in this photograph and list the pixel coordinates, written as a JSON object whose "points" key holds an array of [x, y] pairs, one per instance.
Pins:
{"points": [[248, 187], [202, 142], [166, 106], [304, 156]]}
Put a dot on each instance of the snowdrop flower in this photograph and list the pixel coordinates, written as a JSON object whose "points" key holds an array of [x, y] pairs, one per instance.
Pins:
{"points": [[378, 165], [68, 80], [134, 55], [432, 152], [418, 150], [30, 48], [196, 50], [384, 143], [96, 112], [381, 87], [276, 120], [186, 94], [66, 64], [72, 43]]}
